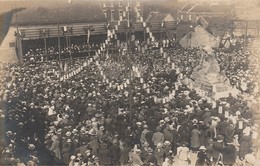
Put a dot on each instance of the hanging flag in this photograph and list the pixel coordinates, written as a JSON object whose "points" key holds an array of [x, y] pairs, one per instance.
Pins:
{"points": [[124, 14], [150, 34], [240, 124], [118, 23], [141, 19], [116, 27], [148, 40], [161, 50], [145, 47], [109, 33], [176, 86], [141, 80], [220, 110], [226, 114], [132, 37], [168, 59], [144, 24], [138, 14], [148, 90], [127, 81], [164, 55], [65, 66], [138, 74], [143, 50], [147, 29], [163, 24], [138, 48]]}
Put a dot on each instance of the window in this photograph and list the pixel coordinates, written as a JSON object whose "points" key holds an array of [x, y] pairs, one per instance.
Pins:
{"points": [[111, 4], [104, 5], [112, 15], [120, 13], [105, 13], [120, 4]]}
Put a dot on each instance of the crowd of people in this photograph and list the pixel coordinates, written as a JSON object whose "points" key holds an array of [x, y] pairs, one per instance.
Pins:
{"points": [[133, 110]]}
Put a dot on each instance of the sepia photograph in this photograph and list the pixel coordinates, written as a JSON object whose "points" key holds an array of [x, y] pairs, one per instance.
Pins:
{"points": [[129, 82]]}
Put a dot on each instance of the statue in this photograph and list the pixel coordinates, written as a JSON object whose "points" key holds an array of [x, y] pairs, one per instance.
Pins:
{"points": [[208, 71]]}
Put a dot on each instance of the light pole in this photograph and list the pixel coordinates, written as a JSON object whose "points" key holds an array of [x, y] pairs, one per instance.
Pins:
{"points": [[44, 33]]}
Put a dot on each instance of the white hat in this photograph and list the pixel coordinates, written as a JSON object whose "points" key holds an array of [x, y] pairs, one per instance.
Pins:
{"points": [[73, 157], [166, 143], [139, 123], [68, 133], [102, 128], [202, 148], [159, 145]]}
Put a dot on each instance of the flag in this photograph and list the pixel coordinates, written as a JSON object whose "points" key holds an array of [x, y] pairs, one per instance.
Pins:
{"points": [[144, 24], [65, 66], [161, 50], [138, 14], [163, 24], [148, 40], [109, 34], [132, 37], [150, 35], [147, 29]]}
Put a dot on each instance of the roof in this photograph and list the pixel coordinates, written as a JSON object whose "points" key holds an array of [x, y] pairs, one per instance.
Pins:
{"points": [[159, 17], [64, 13], [187, 7], [207, 7], [198, 37], [212, 7]]}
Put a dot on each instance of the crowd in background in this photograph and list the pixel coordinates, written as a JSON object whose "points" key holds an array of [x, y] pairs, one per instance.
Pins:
{"points": [[109, 114]]}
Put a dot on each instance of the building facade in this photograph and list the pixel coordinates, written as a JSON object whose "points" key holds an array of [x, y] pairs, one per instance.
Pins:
{"points": [[122, 10]]}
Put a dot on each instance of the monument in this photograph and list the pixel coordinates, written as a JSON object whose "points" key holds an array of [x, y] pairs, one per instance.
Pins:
{"points": [[208, 79]]}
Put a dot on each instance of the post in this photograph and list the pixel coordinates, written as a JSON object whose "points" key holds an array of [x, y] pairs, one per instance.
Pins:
{"points": [[45, 47], [245, 37], [144, 34], [58, 26]]}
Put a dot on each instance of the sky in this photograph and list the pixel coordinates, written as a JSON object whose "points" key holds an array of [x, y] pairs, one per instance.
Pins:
{"points": [[245, 8]]}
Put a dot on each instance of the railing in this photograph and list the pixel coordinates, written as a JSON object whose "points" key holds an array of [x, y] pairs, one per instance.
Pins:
{"points": [[33, 32]]}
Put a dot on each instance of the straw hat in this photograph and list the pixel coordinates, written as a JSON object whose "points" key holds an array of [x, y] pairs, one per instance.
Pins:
{"points": [[166, 143], [202, 148]]}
